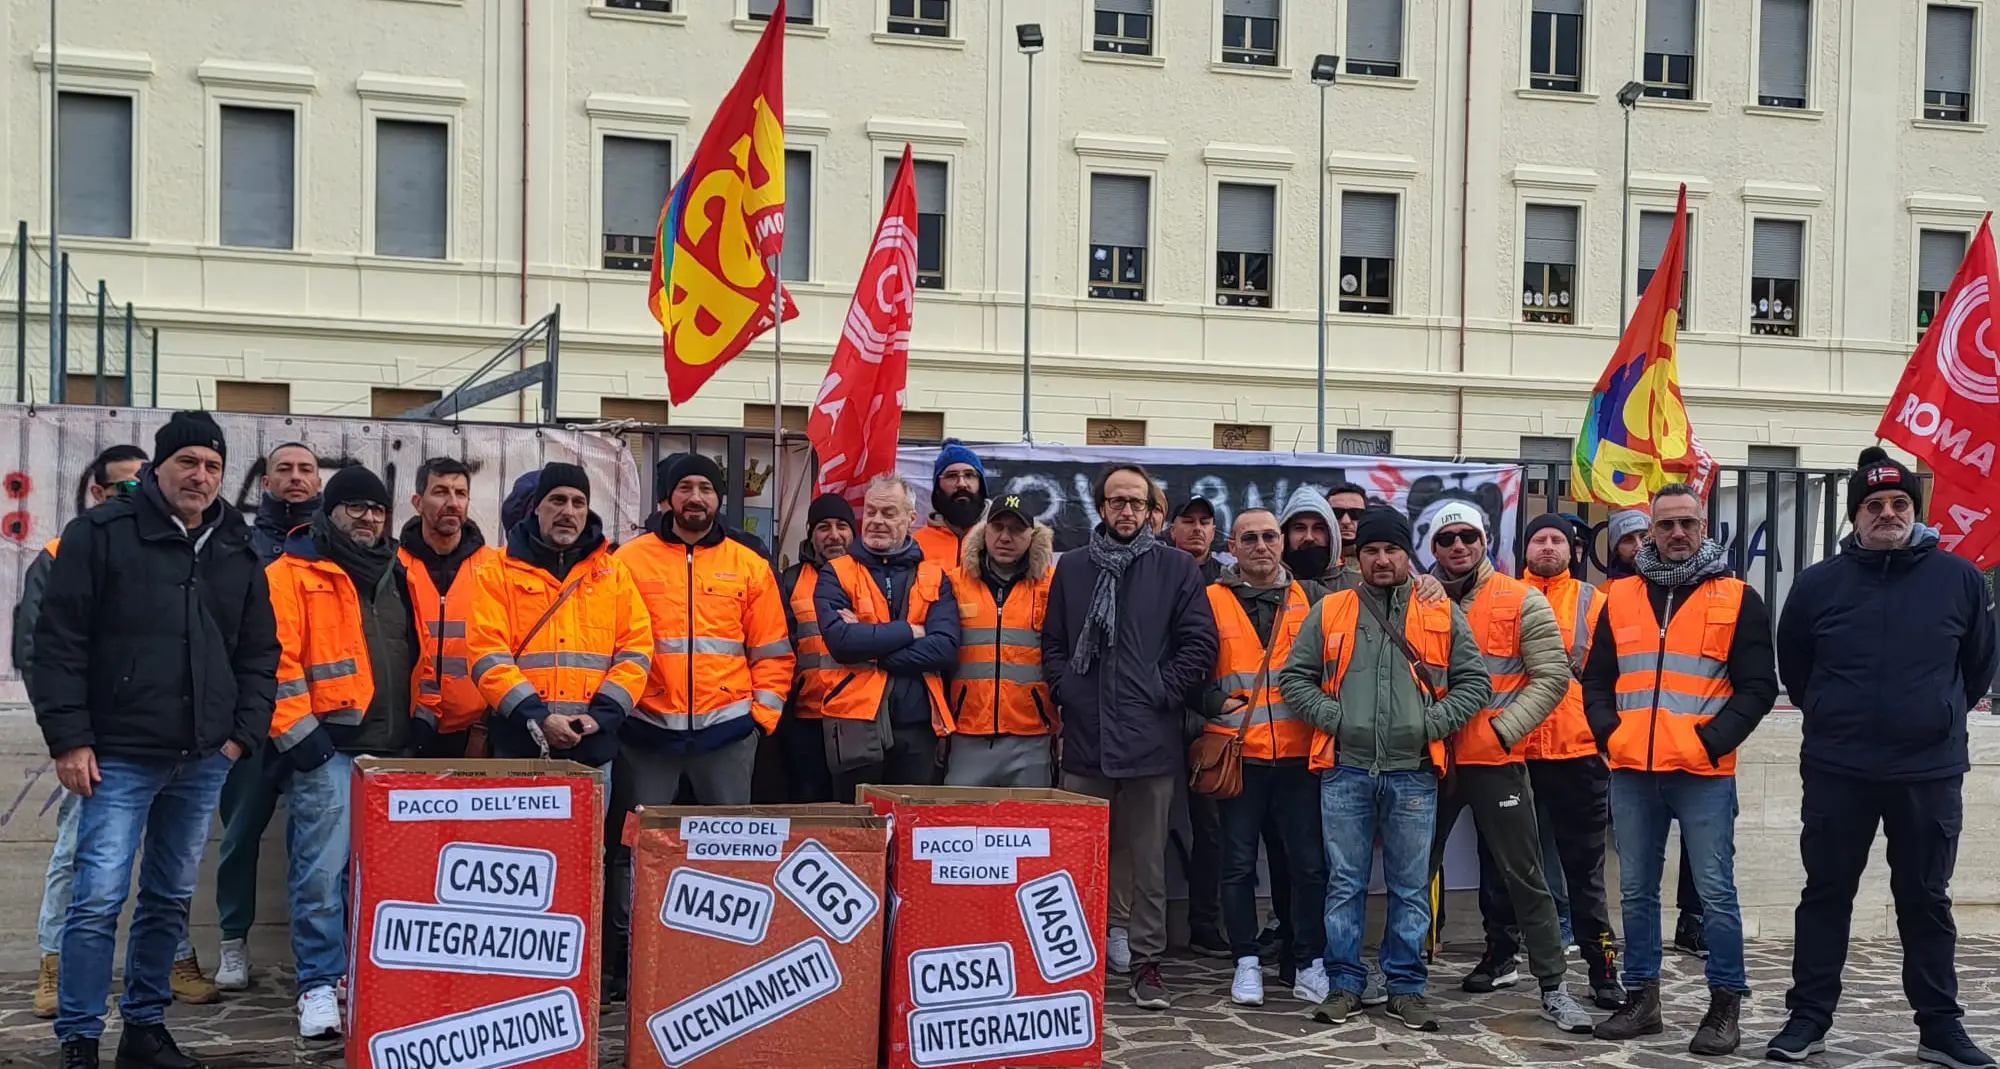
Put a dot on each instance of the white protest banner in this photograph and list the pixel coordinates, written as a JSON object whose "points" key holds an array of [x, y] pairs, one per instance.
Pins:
{"points": [[506, 877], [1016, 1028], [950, 976], [491, 1037], [726, 908], [427, 938], [827, 890]]}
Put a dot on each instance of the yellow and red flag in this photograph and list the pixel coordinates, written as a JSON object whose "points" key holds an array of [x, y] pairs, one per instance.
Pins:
{"points": [[722, 227]]}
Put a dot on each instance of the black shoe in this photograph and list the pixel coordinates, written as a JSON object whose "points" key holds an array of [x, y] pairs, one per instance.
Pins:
{"points": [[1491, 973], [1690, 937], [148, 1046], [79, 1054], [1798, 1040], [1271, 944], [611, 986], [1948, 1046], [1605, 990], [1288, 972], [1209, 943]]}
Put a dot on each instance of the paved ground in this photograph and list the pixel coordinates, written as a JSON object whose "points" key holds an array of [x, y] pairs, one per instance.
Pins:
{"points": [[1203, 1031]]}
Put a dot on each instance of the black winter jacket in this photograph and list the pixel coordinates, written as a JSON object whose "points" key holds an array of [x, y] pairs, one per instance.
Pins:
{"points": [[28, 611], [275, 522], [1883, 651], [154, 642]]}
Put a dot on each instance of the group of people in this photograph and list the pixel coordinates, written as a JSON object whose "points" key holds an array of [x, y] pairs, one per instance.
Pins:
{"points": [[179, 658]]}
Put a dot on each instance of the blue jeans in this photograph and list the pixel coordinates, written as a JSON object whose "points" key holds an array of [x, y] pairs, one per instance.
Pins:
{"points": [[1354, 809], [316, 870], [56, 883], [167, 803], [1641, 805]]}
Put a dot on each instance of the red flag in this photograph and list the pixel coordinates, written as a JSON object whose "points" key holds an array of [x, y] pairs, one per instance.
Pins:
{"points": [[859, 412], [1946, 409]]}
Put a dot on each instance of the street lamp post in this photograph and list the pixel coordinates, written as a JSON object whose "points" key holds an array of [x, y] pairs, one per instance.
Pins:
{"points": [[1029, 37], [1628, 98], [1324, 69]]}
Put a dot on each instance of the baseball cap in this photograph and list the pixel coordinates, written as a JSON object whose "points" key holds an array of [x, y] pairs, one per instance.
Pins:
{"points": [[1010, 505]]}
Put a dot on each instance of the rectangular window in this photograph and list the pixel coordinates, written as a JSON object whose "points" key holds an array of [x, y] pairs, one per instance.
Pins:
{"points": [[635, 409], [1948, 36], [662, 6], [1548, 277], [257, 177], [82, 390], [920, 18], [1777, 252], [1784, 43], [1654, 230], [1368, 253], [1120, 209], [1554, 456], [922, 426], [1124, 27], [1555, 46], [795, 263], [1363, 443], [1242, 436], [388, 402], [1938, 255], [1114, 432], [1670, 51], [1245, 235], [263, 398], [412, 180], [1774, 456], [1250, 31], [797, 12], [1375, 38], [96, 165], [758, 418], [638, 176], [933, 213]]}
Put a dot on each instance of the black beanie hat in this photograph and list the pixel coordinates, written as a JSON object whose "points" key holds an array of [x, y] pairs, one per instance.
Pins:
{"points": [[1547, 520], [557, 474], [353, 485], [1380, 523], [829, 507], [1875, 473], [185, 430], [669, 472]]}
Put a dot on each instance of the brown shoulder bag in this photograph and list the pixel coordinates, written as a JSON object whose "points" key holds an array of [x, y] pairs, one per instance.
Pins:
{"points": [[1215, 760]]}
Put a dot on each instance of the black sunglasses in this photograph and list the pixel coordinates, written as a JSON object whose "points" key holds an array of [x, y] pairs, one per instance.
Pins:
{"points": [[1447, 539], [1348, 514]]}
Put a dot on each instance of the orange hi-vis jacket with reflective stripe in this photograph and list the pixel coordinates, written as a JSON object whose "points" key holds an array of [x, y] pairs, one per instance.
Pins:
{"points": [[1494, 615], [598, 641], [854, 691], [323, 669], [811, 661], [720, 647], [1671, 679], [1242, 660], [1566, 732], [940, 545], [1426, 625], [446, 695], [998, 688]]}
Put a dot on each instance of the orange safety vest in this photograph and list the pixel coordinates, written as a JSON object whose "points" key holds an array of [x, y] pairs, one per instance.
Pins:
{"points": [[856, 693], [998, 688], [1495, 618], [323, 669], [812, 661], [446, 695], [598, 641], [940, 545], [720, 647], [50, 548], [1566, 732], [1671, 679], [1428, 627], [1242, 661]]}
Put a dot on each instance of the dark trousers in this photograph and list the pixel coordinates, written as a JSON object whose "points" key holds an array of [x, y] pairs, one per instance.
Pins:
{"points": [[1573, 792], [802, 746], [1503, 810], [1287, 796], [1686, 898], [248, 800], [1921, 821], [1203, 862], [911, 760]]}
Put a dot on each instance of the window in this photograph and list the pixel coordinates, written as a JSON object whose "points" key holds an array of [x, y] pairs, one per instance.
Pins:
{"points": [[933, 213], [1250, 32], [635, 409], [1375, 37], [1114, 432], [1670, 36], [922, 427], [1548, 282], [1938, 254], [795, 262], [1654, 230], [82, 390], [96, 165], [1120, 207], [1245, 224], [257, 177], [1784, 41], [1545, 460], [412, 179], [1124, 27], [1362, 443], [1555, 46], [1774, 456], [920, 18], [1242, 436], [263, 398], [1776, 251], [662, 6], [797, 12], [389, 402], [1948, 37], [758, 418], [1368, 253], [638, 175]]}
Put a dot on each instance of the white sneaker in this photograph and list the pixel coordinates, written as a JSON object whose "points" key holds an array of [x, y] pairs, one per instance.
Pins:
{"points": [[1311, 987], [234, 972], [319, 1013], [1118, 951], [1248, 987]]}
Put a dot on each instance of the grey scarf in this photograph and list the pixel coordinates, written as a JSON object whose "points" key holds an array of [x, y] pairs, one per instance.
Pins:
{"points": [[1112, 557], [1709, 561]]}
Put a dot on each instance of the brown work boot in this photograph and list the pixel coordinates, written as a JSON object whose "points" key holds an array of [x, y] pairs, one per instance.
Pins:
{"points": [[190, 986], [1640, 1016], [45, 987], [1719, 1033]]}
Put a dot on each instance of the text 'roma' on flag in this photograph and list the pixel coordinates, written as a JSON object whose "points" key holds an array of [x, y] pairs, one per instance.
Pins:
{"points": [[858, 415], [714, 283], [1636, 436], [1946, 408]]}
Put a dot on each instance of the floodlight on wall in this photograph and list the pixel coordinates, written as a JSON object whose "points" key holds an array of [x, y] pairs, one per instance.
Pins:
{"points": [[1324, 69], [1029, 35]]}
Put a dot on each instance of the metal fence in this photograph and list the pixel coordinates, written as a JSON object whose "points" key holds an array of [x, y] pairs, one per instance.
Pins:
{"points": [[88, 349]]}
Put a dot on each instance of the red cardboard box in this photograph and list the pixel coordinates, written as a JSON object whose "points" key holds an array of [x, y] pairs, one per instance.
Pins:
{"points": [[473, 941], [756, 937], [996, 942]]}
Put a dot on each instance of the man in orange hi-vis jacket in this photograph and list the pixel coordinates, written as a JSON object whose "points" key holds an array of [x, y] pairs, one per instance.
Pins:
{"points": [[441, 550]]}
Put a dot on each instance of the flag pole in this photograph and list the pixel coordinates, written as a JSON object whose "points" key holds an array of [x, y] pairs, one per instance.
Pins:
{"points": [[777, 416]]}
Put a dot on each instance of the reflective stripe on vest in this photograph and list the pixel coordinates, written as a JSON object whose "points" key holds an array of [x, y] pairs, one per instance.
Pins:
{"points": [[857, 694], [446, 694], [1494, 614], [997, 688], [816, 668], [1242, 660], [1565, 733], [1671, 678], [1428, 629], [712, 624], [324, 673]]}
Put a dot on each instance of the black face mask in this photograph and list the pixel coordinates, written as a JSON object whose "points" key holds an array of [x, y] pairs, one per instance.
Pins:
{"points": [[961, 508], [1309, 561]]}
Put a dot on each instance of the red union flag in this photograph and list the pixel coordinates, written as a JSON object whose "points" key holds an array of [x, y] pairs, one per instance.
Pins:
{"points": [[859, 412], [1946, 409]]}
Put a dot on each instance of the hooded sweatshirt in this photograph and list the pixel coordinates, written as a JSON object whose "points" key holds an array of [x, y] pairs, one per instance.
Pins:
{"points": [[1336, 575], [276, 520]]}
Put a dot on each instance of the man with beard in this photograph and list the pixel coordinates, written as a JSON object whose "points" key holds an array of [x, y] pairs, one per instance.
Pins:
{"points": [[290, 499], [347, 654], [1193, 531], [1680, 673], [1347, 501], [1623, 533], [662, 489], [829, 531], [439, 546], [1883, 648], [1004, 722], [958, 497]]}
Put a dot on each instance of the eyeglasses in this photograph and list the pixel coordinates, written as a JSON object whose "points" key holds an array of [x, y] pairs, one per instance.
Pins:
{"points": [[1448, 539], [121, 488], [355, 510], [1877, 506], [1348, 514], [1677, 523], [1254, 537], [1126, 504]]}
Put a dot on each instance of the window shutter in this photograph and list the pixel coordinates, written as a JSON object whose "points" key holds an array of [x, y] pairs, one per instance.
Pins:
{"points": [[1256, 9], [1784, 42], [1654, 229], [1776, 248], [1551, 234], [929, 178], [1245, 218], [257, 178], [1118, 210], [795, 10], [96, 144], [1375, 30], [1774, 456], [1126, 7], [1559, 7], [1948, 49], [1368, 225], [1670, 27], [1938, 254], [795, 262], [638, 175], [411, 182]]}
